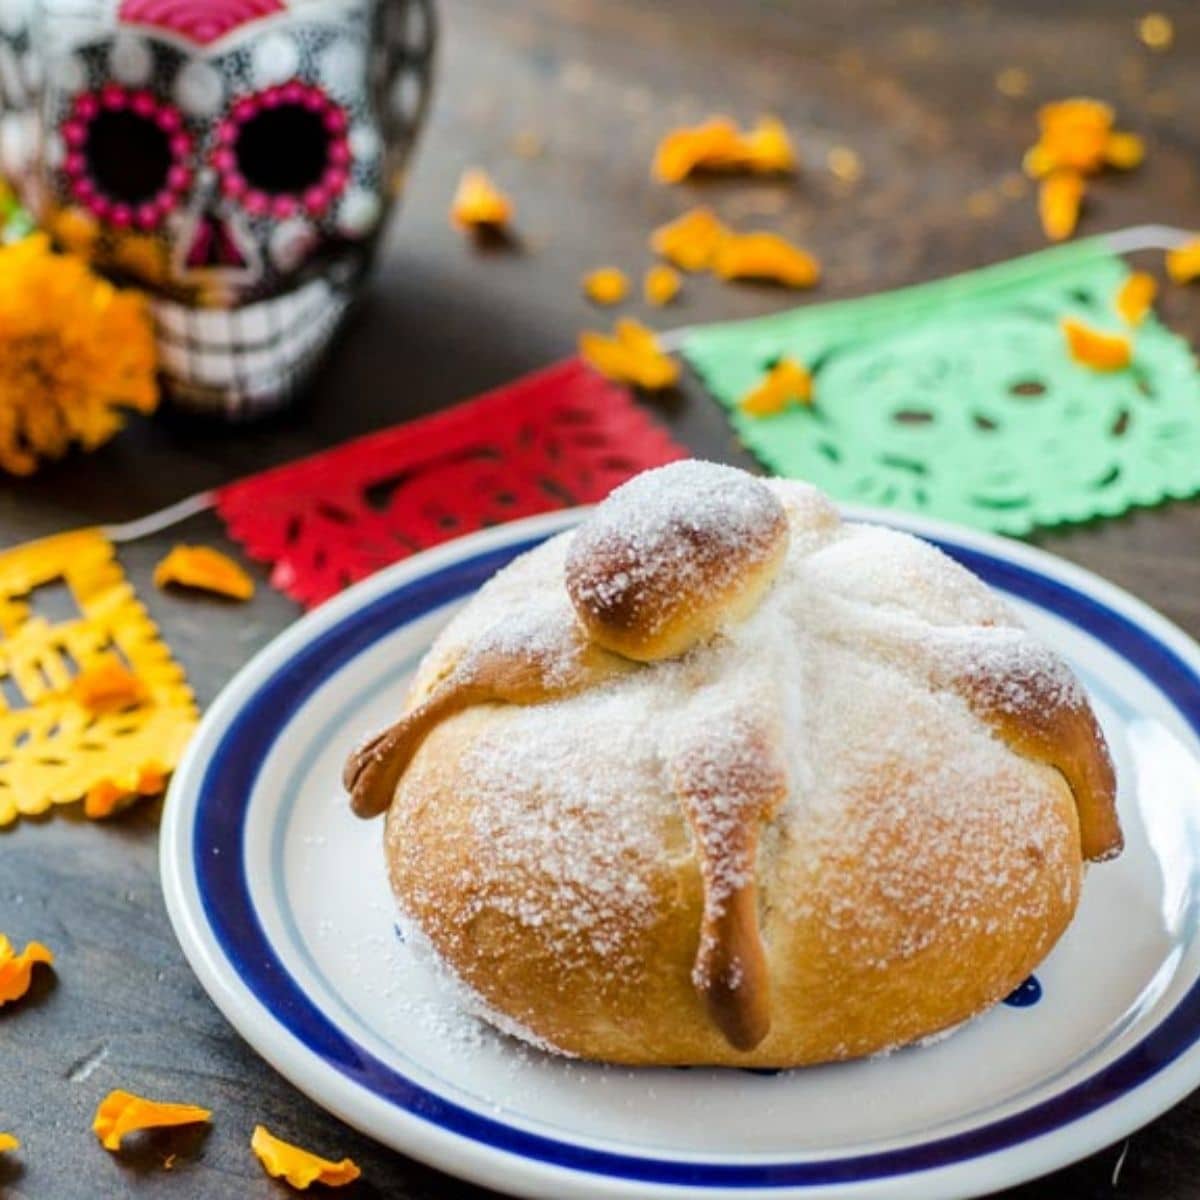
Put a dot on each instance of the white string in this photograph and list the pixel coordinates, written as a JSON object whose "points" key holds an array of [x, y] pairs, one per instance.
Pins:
{"points": [[155, 522]]}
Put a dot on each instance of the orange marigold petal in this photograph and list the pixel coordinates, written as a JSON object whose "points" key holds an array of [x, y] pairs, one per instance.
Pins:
{"points": [[122, 1112], [661, 285], [111, 796], [767, 148], [1183, 263], [691, 241], [1096, 349], [632, 355], [682, 151], [1059, 201], [606, 285], [765, 256], [300, 1168], [204, 568], [1124, 150], [9, 1142], [108, 686], [787, 382], [1135, 296], [1075, 133], [479, 203], [16, 970]]}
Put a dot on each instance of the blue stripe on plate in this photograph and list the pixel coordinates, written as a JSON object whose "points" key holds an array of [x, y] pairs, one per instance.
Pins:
{"points": [[228, 784]]}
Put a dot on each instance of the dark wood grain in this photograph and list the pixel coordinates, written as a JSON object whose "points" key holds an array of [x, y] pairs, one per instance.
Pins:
{"points": [[907, 85]]}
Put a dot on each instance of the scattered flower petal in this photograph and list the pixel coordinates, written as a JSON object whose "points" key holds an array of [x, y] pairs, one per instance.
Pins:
{"points": [[300, 1168], [1096, 349], [9, 1142], [1074, 133], [16, 970], [1183, 263], [765, 256], [1135, 297], [74, 352], [606, 285], [108, 686], [1059, 201], [633, 355], [204, 568], [111, 796], [479, 203], [122, 1112], [661, 285], [786, 383], [1124, 151], [691, 241], [718, 145], [1156, 30]]}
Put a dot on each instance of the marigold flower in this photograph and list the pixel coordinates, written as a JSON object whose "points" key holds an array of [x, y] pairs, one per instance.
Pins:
{"points": [[108, 686], [16, 970], [661, 285], [765, 256], [300, 1168], [74, 351], [718, 145], [1060, 198], [1096, 349], [1135, 296], [1183, 263], [479, 203], [605, 286], [9, 1142], [690, 241], [632, 355], [787, 382], [122, 1112], [205, 569]]}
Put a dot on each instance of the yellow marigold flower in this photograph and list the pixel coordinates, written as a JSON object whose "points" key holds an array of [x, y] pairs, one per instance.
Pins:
{"points": [[605, 285], [301, 1168], [1183, 263], [1135, 296], [632, 355], [9, 1142], [690, 241], [121, 1112], [16, 970], [1096, 349], [204, 568], [787, 382], [74, 351], [661, 285], [479, 203]]}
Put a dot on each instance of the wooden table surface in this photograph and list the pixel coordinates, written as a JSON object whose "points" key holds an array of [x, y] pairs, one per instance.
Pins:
{"points": [[910, 87]]}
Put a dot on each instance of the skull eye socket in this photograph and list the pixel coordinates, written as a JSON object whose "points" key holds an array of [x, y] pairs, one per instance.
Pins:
{"points": [[127, 156], [284, 150]]}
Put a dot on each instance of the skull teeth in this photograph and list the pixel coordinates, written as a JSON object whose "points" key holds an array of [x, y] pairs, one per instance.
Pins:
{"points": [[248, 358]]}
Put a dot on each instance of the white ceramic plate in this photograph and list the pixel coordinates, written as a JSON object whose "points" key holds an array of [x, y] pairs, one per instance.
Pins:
{"points": [[280, 902]]}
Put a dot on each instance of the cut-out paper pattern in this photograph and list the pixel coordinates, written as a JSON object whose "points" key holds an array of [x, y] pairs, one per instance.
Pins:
{"points": [[559, 437], [54, 747], [958, 399]]}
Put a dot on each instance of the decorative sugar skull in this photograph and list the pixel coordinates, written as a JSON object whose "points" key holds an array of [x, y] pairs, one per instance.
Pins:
{"points": [[233, 158]]}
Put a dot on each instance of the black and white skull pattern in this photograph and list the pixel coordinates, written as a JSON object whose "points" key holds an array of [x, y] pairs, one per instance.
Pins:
{"points": [[243, 183]]}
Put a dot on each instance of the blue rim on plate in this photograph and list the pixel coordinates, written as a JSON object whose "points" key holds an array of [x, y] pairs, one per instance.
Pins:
{"points": [[218, 829]]}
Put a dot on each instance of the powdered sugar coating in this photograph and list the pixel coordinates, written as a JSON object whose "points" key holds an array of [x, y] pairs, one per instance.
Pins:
{"points": [[850, 667]]}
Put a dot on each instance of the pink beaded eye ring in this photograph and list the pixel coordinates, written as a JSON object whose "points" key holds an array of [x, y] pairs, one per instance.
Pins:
{"points": [[316, 168], [127, 156]]}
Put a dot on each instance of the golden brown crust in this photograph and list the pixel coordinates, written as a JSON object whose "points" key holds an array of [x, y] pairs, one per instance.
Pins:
{"points": [[656, 869], [655, 569]]}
